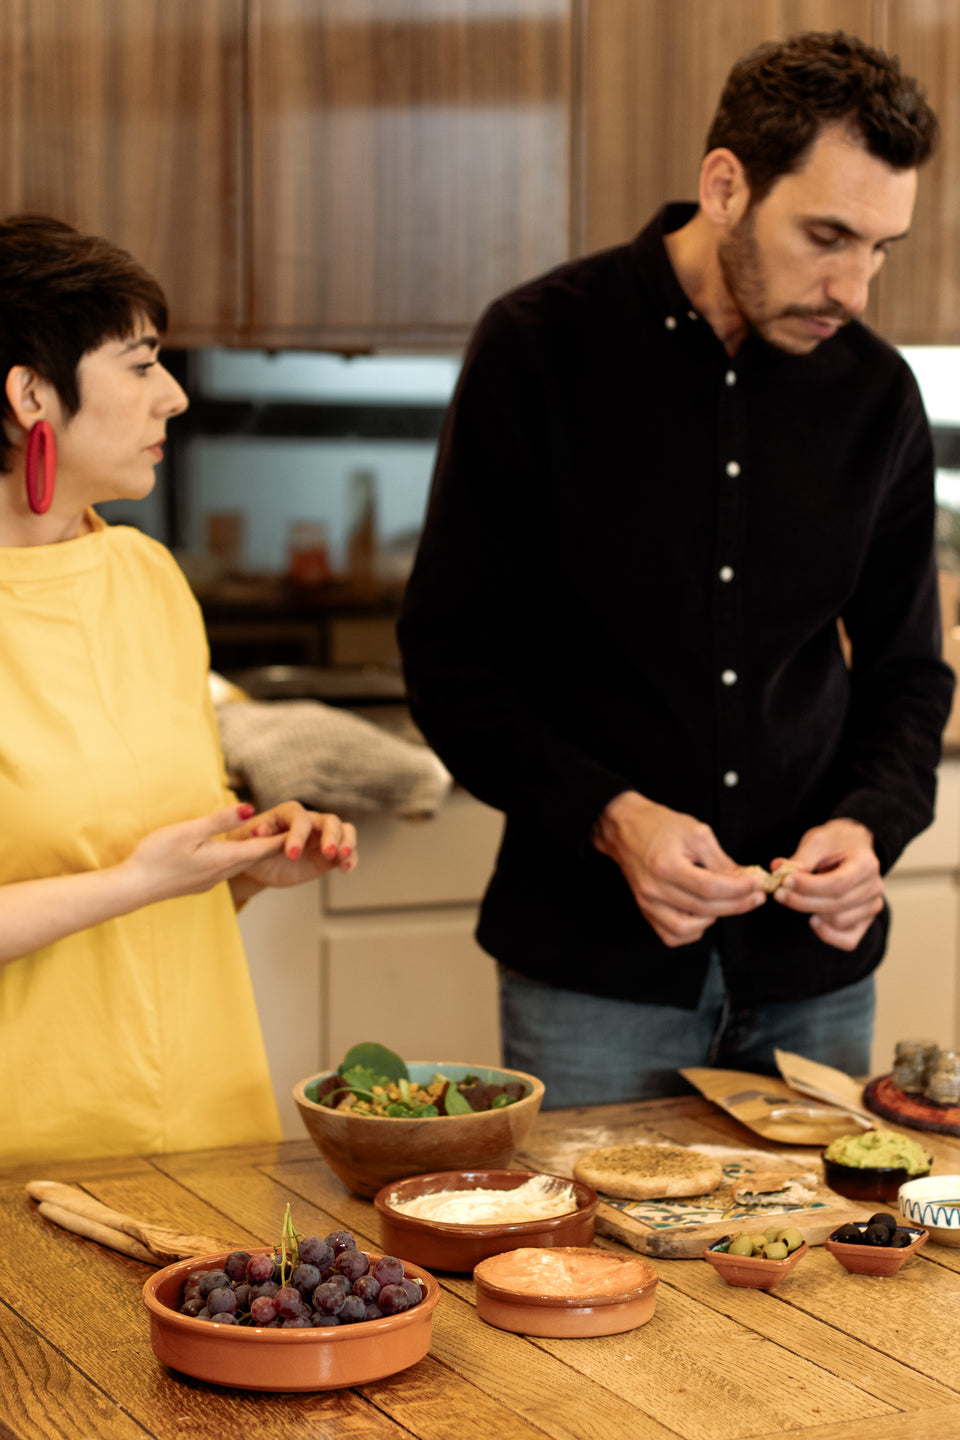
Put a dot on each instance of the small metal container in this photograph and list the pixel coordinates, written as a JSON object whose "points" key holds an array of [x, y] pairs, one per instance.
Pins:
{"points": [[943, 1087], [913, 1064]]}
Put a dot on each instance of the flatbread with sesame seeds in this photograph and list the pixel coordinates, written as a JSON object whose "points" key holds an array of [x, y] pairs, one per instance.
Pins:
{"points": [[648, 1172]]}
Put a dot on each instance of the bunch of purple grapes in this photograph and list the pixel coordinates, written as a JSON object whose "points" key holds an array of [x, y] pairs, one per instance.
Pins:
{"points": [[332, 1283]]}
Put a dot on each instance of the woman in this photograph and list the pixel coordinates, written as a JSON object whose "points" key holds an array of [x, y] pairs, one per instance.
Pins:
{"points": [[127, 1016]]}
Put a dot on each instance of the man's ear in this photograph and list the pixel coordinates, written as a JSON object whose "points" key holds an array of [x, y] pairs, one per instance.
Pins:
{"points": [[724, 190], [28, 396]]}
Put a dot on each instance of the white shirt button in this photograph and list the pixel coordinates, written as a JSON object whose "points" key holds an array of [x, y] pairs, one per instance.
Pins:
{"points": [[731, 377], [726, 573], [671, 322], [730, 779], [692, 315], [729, 677], [733, 469]]}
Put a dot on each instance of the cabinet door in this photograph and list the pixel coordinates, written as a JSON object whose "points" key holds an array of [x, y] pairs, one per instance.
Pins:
{"points": [[918, 995], [123, 118], [409, 162], [652, 76], [416, 981], [919, 287]]}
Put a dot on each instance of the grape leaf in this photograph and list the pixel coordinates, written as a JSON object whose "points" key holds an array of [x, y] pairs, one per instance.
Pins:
{"points": [[381, 1062]]}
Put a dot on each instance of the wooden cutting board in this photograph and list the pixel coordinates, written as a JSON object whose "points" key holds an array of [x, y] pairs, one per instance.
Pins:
{"points": [[681, 1229]]}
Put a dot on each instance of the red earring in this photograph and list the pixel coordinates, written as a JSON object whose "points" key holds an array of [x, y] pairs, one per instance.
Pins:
{"points": [[41, 462]]}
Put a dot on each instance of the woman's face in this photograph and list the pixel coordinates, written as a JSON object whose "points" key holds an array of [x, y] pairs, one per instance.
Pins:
{"points": [[108, 450]]}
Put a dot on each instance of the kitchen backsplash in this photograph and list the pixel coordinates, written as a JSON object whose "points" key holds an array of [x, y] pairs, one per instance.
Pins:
{"points": [[278, 440]]}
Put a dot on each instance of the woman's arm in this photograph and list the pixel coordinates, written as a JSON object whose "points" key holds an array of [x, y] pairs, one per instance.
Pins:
{"points": [[183, 859]]}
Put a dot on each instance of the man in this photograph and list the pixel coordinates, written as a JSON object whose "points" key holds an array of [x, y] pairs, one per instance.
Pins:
{"points": [[668, 472]]}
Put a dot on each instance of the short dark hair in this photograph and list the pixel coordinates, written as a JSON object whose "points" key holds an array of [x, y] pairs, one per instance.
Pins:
{"points": [[63, 293], [777, 99]]}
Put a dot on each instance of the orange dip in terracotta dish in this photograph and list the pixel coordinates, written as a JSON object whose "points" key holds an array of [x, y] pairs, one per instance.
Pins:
{"points": [[565, 1291]]}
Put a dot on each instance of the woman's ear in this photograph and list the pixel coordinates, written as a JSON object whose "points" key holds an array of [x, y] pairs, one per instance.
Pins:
{"points": [[29, 397], [724, 190]]}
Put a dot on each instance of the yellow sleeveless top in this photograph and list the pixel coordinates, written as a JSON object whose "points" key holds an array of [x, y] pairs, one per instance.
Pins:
{"points": [[139, 1035]]}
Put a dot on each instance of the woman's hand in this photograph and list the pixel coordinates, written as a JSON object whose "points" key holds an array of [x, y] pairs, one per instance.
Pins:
{"points": [[195, 855], [310, 844]]}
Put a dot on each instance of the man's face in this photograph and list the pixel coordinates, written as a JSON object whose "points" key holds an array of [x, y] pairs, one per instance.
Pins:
{"points": [[798, 265]]}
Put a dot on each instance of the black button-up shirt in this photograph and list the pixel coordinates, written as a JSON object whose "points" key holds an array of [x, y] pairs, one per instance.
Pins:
{"points": [[636, 552]]}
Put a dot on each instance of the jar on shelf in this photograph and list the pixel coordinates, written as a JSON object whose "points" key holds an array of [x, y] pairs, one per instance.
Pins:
{"points": [[943, 1086], [913, 1063], [308, 560]]}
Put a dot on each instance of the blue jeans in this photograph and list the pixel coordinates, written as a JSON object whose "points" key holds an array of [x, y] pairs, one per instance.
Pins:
{"points": [[589, 1050]]}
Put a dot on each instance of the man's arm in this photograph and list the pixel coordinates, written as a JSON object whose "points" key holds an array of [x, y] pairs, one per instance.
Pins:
{"points": [[901, 690], [680, 877], [468, 633]]}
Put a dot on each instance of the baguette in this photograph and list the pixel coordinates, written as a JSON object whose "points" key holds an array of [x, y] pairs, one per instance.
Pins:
{"points": [[155, 1242], [95, 1230]]}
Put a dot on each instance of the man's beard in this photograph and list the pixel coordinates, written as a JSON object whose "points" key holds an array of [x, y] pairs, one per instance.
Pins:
{"points": [[742, 271]]}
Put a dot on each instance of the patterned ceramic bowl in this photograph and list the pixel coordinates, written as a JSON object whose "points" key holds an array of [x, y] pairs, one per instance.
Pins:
{"points": [[933, 1203]]}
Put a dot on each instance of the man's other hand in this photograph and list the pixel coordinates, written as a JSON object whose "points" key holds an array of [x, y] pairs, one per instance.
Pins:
{"points": [[837, 882], [680, 877]]}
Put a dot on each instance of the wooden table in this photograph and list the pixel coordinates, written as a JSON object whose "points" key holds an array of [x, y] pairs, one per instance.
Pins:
{"points": [[828, 1356]]}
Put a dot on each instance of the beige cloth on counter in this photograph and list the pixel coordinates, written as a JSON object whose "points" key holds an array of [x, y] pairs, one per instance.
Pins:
{"points": [[327, 758]]}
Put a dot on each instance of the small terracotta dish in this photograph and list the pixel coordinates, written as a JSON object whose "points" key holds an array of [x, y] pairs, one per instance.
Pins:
{"points": [[752, 1270], [568, 1291], [448, 1246], [868, 1183], [368, 1151], [933, 1203], [873, 1259], [253, 1358]]}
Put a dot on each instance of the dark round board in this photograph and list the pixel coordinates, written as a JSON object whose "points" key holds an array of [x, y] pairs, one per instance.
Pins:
{"points": [[883, 1098]]}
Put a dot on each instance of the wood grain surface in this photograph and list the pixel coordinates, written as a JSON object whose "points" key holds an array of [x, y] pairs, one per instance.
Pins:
{"points": [[827, 1355]]}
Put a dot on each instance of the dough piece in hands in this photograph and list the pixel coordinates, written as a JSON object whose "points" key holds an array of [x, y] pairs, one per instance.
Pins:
{"points": [[648, 1172], [771, 881]]}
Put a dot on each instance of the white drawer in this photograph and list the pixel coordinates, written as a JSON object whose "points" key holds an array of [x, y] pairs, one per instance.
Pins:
{"points": [[446, 860]]}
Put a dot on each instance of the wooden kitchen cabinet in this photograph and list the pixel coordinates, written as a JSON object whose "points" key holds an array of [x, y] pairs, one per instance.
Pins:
{"points": [[125, 120], [407, 164], [919, 286], [918, 983], [651, 78]]}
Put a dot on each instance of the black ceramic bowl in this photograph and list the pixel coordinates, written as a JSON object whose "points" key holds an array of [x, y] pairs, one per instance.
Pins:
{"points": [[868, 1183]]}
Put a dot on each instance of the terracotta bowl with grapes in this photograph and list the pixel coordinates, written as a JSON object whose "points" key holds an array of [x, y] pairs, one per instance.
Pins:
{"points": [[252, 1357], [368, 1152]]}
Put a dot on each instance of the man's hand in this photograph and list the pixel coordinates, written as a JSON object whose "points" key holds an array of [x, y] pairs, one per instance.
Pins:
{"points": [[837, 882], [680, 877]]}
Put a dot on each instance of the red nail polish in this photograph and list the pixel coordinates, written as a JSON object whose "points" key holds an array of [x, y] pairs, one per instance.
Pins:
{"points": [[294, 852], [245, 811], [347, 850]]}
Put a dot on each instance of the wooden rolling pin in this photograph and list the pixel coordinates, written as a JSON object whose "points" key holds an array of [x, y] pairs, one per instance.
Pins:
{"points": [[73, 1209]]}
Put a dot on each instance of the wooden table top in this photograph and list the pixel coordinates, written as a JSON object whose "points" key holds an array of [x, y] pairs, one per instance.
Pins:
{"points": [[828, 1356]]}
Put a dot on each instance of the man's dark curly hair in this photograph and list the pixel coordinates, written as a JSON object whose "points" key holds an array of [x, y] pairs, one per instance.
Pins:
{"points": [[777, 99], [61, 294]]}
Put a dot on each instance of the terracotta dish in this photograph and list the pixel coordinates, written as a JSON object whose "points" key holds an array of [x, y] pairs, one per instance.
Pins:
{"points": [[445, 1246], [565, 1292], [868, 1183], [873, 1259], [368, 1152], [752, 1270], [934, 1203], [251, 1358]]}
